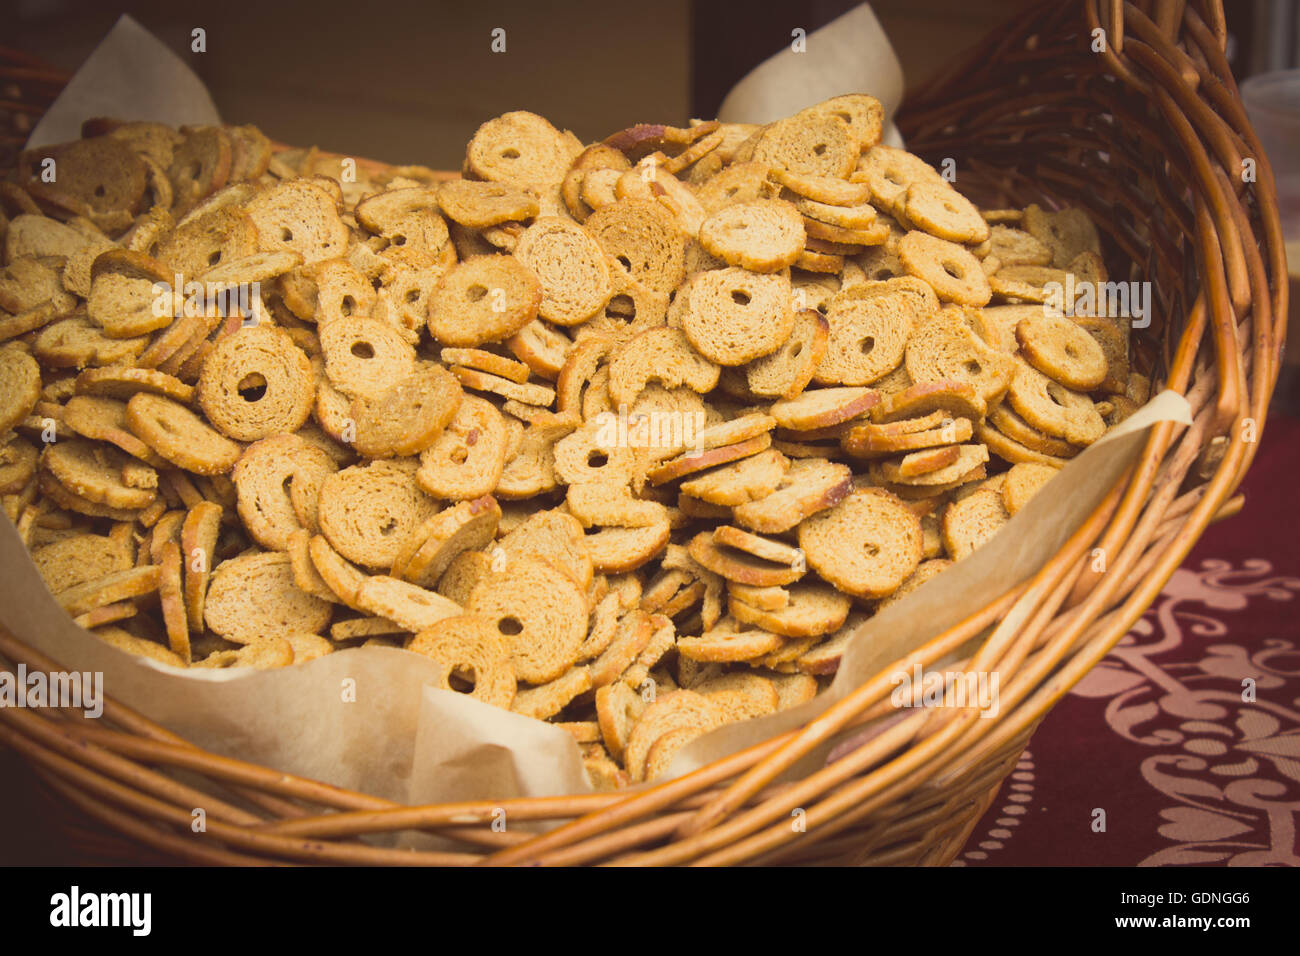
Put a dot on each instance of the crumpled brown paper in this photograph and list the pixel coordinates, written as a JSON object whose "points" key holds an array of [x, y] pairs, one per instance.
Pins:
{"points": [[366, 718]]}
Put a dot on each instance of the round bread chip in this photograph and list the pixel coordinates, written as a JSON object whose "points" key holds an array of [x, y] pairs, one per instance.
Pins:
{"points": [[809, 143], [198, 544], [696, 461], [18, 461], [104, 419], [642, 236], [93, 471], [180, 436], [410, 416], [364, 356], [540, 612], [484, 299], [811, 485], [298, 216], [429, 550], [521, 149], [20, 386], [813, 610], [662, 355], [864, 115], [1053, 408], [738, 482], [367, 511], [729, 642], [571, 266], [953, 273], [867, 545], [937, 208], [481, 204], [79, 558], [1023, 482], [740, 566], [139, 646], [787, 371], [944, 399], [765, 235], [466, 460], [275, 480], [972, 521], [889, 172], [473, 658], [735, 316], [944, 348], [1005, 420], [253, 596], [266, 653], [256, 383], [1062, 350], [824, 407]]}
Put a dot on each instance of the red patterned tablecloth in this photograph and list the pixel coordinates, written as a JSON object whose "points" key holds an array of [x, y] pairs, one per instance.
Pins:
{"points": [[1163, 735]]}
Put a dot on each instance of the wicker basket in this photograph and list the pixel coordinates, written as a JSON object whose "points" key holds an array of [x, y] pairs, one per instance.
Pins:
{"points": [[1150, 136]]}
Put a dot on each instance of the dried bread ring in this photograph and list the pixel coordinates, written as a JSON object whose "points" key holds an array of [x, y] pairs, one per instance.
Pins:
{"points": [[484, 299], [1062, 350], [944, 348], [121, 382], [972, 521], [869, 334], [787, 371], [642, 237], [813, 610], [765, 235], [941, 211], [1023, 482], [889, 172], [953, 273], [199, 533], [736, 316], [110, 589], [410, 416], [430, 549], [810, 486], [1053, 408], [480, 204], [809, 143], [472, 658], [364, 356], [104, 419], [1004, 419], [180, 436], [739, 482], [521, 149], [467, 459], [79, 558], [664, 355], [867, 545], [254, 596], [18, 461], [20, 386], [571, 266], [367, 511], [93, 471], [256, 383], [298, 216], [740, 566], [540, 612], [276, 479]]}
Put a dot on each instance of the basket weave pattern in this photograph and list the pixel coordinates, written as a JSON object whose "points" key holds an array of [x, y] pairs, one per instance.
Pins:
{"points": [[1150, 136]]}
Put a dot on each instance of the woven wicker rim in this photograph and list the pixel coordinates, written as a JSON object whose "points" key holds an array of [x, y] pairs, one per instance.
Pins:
{"points": [[1149, 134]]}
